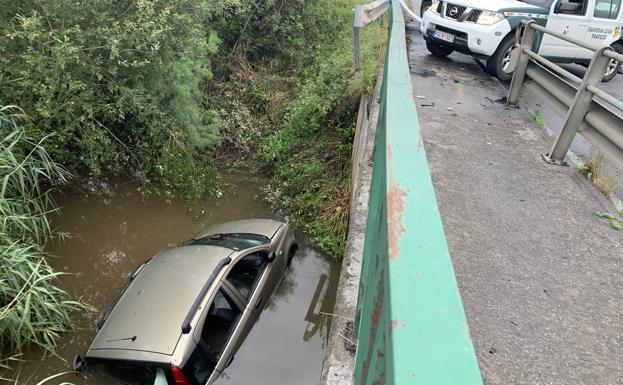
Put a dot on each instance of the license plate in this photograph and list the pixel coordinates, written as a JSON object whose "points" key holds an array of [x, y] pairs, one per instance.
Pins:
{"points": [[444, 36]]}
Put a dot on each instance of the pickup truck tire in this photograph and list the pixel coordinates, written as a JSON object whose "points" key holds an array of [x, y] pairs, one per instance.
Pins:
{"points": [[424, 7], [438, 49], [613, 66], [497, 64]]}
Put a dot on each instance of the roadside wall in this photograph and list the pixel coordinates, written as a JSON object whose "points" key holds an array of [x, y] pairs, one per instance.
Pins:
{"points": [[339, 362]]}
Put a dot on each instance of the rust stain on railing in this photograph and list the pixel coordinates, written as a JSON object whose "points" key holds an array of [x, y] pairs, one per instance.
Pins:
{"points": [[395, 209]]}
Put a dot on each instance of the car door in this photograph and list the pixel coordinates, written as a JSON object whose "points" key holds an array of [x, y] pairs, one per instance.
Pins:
{"points": [[255, 275], [605, 25], [222, 324], [570, 17]]}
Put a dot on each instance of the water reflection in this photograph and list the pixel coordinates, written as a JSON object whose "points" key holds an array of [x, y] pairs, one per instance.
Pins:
{"points": [[286, 344], [313, 318], [114, 228]]}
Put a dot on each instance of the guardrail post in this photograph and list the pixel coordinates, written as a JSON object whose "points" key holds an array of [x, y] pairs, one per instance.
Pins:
{"points": [[579, 107], [522, 65], [357, 25]]}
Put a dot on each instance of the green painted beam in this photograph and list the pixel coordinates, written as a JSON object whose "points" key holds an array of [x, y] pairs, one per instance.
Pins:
{"points": [[411, 326]]}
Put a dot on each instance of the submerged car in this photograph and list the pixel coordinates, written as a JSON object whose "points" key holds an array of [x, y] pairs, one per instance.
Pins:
{"points": [[182, 314]]}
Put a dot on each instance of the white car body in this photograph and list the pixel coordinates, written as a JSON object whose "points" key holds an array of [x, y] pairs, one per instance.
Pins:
{"points": [[597, 25]]}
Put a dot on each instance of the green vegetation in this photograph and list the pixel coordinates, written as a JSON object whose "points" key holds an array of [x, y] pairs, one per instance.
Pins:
{"points": [[120, 81], [32, 308], [614, 222], [167, 92], [538, 118], [309, 157]]}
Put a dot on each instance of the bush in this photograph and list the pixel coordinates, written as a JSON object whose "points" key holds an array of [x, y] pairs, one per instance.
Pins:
{"points": [[120, 81], [308, 157]]}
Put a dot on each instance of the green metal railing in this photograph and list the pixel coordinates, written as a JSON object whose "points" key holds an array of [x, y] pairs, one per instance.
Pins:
{"points": [[410, 324]]}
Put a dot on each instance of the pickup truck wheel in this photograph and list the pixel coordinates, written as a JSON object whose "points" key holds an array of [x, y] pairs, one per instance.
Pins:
{"points": [[424, 7], [614, 66], [438, 49], [498, 65]]}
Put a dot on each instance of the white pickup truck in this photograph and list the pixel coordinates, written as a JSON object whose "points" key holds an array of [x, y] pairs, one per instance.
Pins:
{"points": [[485, 29]]}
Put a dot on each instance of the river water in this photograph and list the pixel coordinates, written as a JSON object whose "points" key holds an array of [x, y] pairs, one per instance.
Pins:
{"points": [[114, 227]]}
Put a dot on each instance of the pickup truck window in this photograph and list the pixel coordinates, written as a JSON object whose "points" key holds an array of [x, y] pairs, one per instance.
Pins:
{"points": [[607, 9], [539, 3], [571, 7]]}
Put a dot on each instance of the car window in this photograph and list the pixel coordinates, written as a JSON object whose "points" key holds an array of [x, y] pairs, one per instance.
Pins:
{"points": [[607, 9], [246, 272], [539, 3], [571, 7], [234, 241], [122, 373], [221, 320]]}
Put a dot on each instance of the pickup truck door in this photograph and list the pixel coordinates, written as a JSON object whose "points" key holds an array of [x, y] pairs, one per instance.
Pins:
{"points": [[604, 26], [571, 18]]}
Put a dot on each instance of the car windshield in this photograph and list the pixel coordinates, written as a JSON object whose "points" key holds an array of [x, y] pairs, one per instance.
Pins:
{"points": [[539, 3], [234, 241], [119, 373]]}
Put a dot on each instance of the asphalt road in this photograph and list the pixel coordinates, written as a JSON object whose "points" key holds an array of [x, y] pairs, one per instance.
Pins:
{"points": [[541, 277], [613, 87]]}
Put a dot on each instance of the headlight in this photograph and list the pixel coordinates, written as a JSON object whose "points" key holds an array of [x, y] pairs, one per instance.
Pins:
{"points": [[489, 18]]}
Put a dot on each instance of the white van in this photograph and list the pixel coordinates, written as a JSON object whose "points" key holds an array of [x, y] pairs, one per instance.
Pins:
{"points": [[485, 29]]}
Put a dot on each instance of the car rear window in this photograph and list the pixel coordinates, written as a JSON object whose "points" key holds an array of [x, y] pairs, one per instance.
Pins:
{"points": [[234, 241], [119, 373]]}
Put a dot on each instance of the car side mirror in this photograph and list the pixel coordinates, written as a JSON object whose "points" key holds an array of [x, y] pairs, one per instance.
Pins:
{"points": [[271, 256]]}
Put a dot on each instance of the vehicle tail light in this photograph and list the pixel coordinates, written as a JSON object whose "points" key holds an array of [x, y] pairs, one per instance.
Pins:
{"points": [[178, 376]]}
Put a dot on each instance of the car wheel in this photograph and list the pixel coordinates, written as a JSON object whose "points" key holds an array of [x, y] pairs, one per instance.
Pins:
{"points": [[499, 64], [438, 49], [613, 66], [425, 6]]}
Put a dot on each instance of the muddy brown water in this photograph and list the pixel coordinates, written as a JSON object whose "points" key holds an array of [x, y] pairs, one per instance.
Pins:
{"points": [[113, 228]]}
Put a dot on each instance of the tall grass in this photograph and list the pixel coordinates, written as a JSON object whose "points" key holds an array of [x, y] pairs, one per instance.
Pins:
{"points": [[32, 309]]}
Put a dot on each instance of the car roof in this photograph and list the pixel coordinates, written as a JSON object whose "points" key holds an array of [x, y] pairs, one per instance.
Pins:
{"points": [[265, 227], [156, 302]]}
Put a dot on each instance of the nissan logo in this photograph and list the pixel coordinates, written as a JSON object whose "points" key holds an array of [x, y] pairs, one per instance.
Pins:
{"points": [[454, 11]]}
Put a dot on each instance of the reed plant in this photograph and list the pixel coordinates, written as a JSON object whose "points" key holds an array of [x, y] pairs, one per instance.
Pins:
{"points": [[33, 310]]}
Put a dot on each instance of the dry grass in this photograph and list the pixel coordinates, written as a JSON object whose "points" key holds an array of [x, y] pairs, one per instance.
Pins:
{"points": [[593, 169]]}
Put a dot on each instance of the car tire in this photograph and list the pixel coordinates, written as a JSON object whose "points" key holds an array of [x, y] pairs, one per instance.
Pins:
{"points": [[613, 66], [438, 49], [497, 64], [424, 7]]}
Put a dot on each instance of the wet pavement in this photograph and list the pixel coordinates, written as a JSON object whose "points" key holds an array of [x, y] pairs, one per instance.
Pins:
{"points": [[541, 277], [113, 228]]}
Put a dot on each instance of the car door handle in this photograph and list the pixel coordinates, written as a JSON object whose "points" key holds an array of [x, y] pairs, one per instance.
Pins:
{"points": [[231, 359], [583, 25], [258, 303]]}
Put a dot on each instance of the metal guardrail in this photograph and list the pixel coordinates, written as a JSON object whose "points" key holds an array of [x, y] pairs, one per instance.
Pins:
{"points": [[364, 15], [599, 121], [410, 323]]}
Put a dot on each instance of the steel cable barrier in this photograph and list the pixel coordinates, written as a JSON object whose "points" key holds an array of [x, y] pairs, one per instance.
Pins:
{"points": [[410, 323]]}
